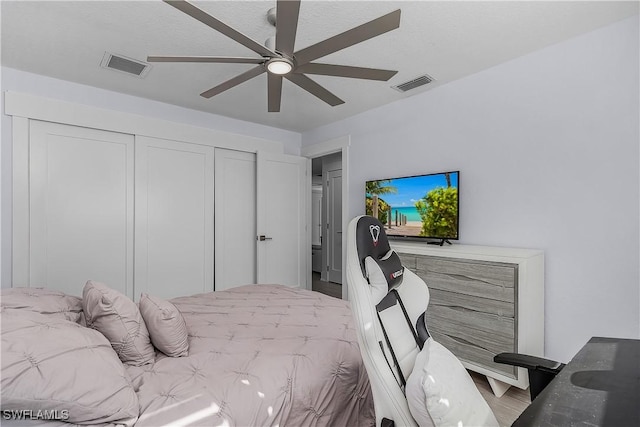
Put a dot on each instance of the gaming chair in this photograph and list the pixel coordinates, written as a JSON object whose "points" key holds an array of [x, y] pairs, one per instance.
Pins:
{"points": [[414, 380]]}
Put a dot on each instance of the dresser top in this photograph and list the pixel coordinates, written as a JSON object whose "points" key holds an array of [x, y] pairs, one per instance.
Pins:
{"points": [[464, 251]]}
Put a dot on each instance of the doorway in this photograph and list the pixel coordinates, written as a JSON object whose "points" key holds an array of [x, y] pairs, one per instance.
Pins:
{"points": [[326, 249]]}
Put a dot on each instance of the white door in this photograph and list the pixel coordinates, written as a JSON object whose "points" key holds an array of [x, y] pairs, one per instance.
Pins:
{"points": [[174, 230], [235, 218], [283, 241], [316, 216], [334, 217], [80, 208]]}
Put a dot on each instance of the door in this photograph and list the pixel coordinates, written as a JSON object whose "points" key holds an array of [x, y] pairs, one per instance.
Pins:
{"points": [[283, 241], [316, 217], [174, 229], [334, 216], [235, 218], [80, 208]]}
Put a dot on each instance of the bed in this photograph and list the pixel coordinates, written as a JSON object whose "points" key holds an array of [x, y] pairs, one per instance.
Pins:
{"points": [[257, 355]]}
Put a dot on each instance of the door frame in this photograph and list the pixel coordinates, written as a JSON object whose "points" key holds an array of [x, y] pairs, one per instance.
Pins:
{"points": [[340, 144], [332, 240]]}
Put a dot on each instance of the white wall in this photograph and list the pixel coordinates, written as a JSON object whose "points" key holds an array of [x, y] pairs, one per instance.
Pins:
{"points": [[23, 82], [548, 149]]}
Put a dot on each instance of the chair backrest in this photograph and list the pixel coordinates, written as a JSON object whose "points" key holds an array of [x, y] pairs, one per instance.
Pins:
{"points": [[388, 304]]}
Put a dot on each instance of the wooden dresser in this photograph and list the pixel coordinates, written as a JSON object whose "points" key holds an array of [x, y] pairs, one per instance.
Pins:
{"points": [[483, 301]]}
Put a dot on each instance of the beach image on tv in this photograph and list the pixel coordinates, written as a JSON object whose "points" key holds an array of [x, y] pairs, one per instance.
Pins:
{"points": [[416, 206]]}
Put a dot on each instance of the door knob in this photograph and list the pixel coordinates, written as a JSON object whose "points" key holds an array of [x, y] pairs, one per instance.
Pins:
{"points": [[262, 238]]}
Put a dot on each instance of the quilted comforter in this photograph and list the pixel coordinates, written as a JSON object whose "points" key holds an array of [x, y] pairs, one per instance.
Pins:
{"points": [[259, 355]]}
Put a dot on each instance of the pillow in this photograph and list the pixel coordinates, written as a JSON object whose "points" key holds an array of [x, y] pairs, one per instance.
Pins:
{"points": [[383, 274], [119, 319], [44, 301], [440, 391], [166, 326], [54, 365]]}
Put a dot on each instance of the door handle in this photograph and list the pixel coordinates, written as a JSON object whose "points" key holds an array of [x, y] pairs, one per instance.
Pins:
{"points": [[262, 238]]}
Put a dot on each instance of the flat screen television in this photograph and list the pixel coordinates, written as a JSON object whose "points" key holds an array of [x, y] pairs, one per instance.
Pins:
{"points": [[421, 206]]}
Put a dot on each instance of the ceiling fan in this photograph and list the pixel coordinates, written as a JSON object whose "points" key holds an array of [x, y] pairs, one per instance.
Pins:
{"points": [[281, 61]]}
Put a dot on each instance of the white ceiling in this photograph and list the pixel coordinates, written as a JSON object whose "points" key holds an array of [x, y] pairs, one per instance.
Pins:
{"points": [[444, 39]]}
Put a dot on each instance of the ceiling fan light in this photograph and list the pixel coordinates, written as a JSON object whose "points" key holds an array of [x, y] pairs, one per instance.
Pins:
{"points": [[279, 66]]}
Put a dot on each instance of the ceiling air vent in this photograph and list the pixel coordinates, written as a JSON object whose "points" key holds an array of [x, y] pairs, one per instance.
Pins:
{"points": [[125, 65], [412, 84]]}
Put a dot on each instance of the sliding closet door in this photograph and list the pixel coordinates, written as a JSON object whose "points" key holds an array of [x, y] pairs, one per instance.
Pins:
{"points": [[174, 218], [80, 208], [235, 206]]}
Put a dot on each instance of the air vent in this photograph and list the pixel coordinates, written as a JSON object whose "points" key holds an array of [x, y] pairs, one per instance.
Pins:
{"points": [[125, 65], [412, 84]]}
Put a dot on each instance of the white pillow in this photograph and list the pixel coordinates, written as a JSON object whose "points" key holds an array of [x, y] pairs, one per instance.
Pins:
{"points": [[440, 391], [118, 318], [166, 326], [70, 371]]}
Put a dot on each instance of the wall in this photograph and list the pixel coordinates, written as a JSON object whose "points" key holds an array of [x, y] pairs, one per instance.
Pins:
{"points": [[548, 149], [20, 81]]}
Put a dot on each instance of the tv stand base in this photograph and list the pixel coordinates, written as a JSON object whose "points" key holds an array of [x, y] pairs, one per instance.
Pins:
{"points": [[441, 242]]}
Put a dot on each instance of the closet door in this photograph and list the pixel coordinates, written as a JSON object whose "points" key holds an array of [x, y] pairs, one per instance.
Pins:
{"points": [[174, 233], [80, 208], [284, 240], [235, 206]]}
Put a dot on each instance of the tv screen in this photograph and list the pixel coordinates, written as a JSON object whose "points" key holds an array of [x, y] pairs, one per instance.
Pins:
{"points": [[422, 206]]}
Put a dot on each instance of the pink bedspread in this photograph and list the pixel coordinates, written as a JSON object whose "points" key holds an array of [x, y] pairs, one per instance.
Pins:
{"points": [[260, 355]]}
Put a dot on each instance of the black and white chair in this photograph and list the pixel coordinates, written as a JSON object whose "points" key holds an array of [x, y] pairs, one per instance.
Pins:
{"points": [[414, 379]]}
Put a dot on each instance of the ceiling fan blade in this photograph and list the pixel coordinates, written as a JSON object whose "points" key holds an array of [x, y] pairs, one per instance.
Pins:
{"points": [[219, 26], [240, 78], [314, 88], [363, 32], [274, 89], [212, 59], [286, 25], [345, 71]]}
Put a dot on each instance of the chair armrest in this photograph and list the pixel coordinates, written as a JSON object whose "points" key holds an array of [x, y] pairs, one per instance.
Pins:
{"points": [[529, 362], [541, 371]]}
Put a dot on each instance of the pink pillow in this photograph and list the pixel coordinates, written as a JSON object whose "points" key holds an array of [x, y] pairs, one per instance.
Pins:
{"points": [[54, 365], [118, 318], [44, 301], [166, 325]]}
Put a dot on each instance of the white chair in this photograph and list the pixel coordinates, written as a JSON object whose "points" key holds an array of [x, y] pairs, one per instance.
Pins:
{"points": [[414, 380]]}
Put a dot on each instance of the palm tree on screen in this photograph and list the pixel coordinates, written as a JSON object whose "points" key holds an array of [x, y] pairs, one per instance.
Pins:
{"points": [[374, 189]]}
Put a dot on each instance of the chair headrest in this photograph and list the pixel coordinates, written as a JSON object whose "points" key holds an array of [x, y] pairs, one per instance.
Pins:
{"points": [[372, 241]]}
